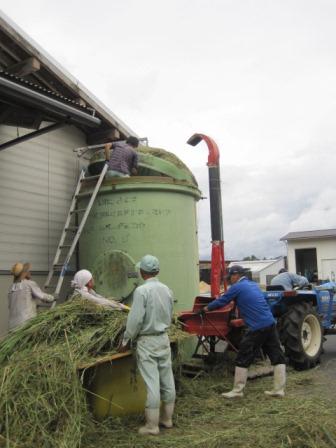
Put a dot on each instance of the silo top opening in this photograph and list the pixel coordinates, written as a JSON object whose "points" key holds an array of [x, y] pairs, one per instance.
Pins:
{"points": [[152, 162]]}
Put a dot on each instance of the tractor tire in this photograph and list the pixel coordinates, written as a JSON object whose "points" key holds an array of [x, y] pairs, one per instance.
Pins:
{"points": [[301, 335]]}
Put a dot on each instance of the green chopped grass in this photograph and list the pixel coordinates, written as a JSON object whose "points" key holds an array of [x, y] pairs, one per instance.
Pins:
{"points": [[204, 419], [43, 402]]}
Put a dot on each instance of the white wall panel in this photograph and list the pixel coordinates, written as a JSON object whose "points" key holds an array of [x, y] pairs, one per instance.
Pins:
{"points": [[37, 179]]}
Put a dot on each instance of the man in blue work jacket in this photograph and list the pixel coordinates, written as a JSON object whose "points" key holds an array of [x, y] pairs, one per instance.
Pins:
{"points": [[262, 332]]}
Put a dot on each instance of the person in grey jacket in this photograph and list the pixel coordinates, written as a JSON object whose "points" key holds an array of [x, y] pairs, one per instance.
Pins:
{"points": [[147, 324], [24, 296], [289, 280]]}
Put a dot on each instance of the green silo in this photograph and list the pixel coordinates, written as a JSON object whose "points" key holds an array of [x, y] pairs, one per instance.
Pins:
{"points": [[152, 213]]}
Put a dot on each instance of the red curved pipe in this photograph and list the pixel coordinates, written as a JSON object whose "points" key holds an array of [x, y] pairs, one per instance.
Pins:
{"points": [[218, 269], [213, 158]]}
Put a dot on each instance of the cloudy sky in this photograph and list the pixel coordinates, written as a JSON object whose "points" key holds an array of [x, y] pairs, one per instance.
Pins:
{"points": [[258, 76]]}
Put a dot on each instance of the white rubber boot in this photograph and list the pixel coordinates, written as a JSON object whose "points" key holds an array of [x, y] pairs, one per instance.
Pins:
{"points": [[279, 381], [238, 384], [166, 419], [152, 423]]}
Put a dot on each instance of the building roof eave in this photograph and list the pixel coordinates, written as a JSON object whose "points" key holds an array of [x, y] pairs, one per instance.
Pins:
{"points": [[309, 234], [62, 75]]}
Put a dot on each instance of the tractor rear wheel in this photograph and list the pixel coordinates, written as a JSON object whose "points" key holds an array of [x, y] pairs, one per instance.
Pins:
{"points": [[302, 336]]}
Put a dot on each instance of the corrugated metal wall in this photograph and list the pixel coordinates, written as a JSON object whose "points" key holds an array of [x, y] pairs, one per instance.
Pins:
{"points": [[37, 179]]}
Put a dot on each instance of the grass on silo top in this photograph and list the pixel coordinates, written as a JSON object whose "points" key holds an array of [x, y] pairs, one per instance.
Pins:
{"points": [[168, 156], [165, 155]]}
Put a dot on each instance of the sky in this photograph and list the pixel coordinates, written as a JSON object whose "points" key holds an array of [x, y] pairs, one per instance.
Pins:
{"points": [[257, 76]]}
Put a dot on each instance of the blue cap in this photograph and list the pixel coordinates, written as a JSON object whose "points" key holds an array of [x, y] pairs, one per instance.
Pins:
{"points": [[149, 264], [236, 269]]}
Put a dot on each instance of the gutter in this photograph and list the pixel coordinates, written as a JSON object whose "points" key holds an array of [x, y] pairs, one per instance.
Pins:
{"points": [[39, 101]]}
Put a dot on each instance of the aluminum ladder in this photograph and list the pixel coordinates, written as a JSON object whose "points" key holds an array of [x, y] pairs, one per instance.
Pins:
{"points": [[59, 268]]}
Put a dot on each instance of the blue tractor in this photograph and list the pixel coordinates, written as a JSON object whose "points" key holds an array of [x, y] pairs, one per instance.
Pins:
{"points": [[304, 317]]}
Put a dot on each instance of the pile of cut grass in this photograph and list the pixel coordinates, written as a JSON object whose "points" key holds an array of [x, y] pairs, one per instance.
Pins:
{"points": [[204, 419], [42, 400], [43, 403]]}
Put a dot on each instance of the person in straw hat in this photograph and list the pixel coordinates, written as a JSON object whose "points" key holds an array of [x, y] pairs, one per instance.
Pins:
{"points": [[24, 296]]}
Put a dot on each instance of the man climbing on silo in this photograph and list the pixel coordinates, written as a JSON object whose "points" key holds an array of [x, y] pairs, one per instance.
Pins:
{"points": [[24, 296], [147, 324], [123, 160]]}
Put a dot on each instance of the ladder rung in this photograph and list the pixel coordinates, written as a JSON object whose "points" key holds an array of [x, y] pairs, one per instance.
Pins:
{"points": [[80, 195], [78, 210], [65, 246], [61, 265], [71, 229], [90, 178]]}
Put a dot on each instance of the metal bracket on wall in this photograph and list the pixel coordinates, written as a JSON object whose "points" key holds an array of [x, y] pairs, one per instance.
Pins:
{"points": [[31, 135]]}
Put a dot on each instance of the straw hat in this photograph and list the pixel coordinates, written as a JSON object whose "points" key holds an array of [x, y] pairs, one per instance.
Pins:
{"points": [[17, 269], [20, 270]]}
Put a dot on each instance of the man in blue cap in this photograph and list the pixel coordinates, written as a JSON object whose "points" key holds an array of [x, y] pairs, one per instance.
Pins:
{"points": [[147, 324], [262, 332]]}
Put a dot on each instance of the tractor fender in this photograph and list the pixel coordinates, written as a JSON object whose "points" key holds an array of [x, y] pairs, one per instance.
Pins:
{"points": [[301, 296]]}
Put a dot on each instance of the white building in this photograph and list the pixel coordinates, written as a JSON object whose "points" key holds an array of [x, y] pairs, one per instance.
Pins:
{"points": [[262, 270], [312, 253], [44, 114]]}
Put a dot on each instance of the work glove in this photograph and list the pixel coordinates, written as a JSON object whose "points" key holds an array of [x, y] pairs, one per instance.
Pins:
{"points": [[123, 346], [125, 307]]}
